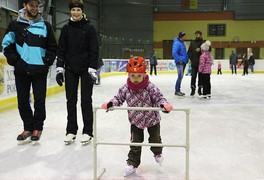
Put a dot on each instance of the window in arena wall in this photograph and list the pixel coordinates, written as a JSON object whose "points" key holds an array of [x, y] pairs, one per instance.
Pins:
{"points": [[219, 53], [216, 29]]}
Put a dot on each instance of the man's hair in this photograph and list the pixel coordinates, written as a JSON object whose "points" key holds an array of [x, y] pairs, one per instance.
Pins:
{"points": [[27, 1], [198, 32]]}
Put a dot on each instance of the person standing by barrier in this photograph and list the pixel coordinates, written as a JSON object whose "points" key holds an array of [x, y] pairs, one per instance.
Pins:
{"points": [[219, 68], [251, 61], [233, 58], [180, 56], [153, 62], [78, 54], [140, 92], [30, 46], [189, 69]]}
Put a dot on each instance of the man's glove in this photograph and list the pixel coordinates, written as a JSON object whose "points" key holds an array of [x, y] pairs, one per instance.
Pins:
{"points": [[59, 76], [107, 105], [167, 107], [92, 73]]}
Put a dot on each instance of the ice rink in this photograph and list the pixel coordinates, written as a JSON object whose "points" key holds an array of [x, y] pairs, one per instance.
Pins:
{"points": [[226, 136]]}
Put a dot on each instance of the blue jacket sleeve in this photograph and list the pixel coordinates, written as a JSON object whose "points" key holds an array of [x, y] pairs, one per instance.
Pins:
{"points": [[179, 52]]}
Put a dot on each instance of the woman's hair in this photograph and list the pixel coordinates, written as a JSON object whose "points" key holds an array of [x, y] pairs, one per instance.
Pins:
{"points": [[76, 3]]}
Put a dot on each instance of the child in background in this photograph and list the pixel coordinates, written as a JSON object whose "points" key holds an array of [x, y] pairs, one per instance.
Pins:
{"points": [[219, 67], [189, 70], [140, 92], [98, 72], [204, 69]]}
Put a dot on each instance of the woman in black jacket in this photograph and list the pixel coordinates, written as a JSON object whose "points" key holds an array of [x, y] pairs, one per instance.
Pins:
{"points": [[251, 61], [245, 64], [78, 56]]}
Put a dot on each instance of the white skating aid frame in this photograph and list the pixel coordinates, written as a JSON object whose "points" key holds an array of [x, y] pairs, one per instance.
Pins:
{"points": [[96, 142]]}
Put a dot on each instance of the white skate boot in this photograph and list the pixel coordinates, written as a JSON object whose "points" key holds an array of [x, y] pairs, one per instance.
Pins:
{"points": [[159, 158], [69, 138], [129, 169], [86, 139]]}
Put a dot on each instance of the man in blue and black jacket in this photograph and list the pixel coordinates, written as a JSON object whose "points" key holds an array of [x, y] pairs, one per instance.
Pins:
{"points": [[30, 46]]}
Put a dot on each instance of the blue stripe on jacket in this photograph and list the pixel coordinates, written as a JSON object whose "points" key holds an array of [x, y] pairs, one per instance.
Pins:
{"points": [[9, 38], [30, 54]]}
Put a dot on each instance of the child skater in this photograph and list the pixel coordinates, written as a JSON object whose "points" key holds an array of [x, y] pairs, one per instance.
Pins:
{"points": [[204, 69], [140, 92], [219, 67]]}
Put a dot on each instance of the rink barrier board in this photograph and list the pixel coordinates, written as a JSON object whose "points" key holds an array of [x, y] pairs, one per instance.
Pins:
{"points": [[96, 142], [8, 102], [11, 102]]}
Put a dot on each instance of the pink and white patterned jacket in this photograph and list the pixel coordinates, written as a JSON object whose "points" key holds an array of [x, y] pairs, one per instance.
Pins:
{"points": [[148, 96], [205, 63]]}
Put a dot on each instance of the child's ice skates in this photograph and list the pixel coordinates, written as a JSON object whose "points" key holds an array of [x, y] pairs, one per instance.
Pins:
{"points": [[129, 169], [159, 158]]}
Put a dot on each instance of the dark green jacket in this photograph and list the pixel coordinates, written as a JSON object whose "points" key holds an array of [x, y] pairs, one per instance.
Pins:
{"points": [[245, 61], [233, 59], [192, 54]]}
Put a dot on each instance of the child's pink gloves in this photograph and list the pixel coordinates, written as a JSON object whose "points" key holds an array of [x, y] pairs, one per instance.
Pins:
{"points": [[104, 105], [107, 105], [167, 107]]}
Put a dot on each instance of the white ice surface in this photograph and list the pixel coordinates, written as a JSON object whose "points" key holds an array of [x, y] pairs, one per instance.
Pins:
{"points": [[226, 136]]}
